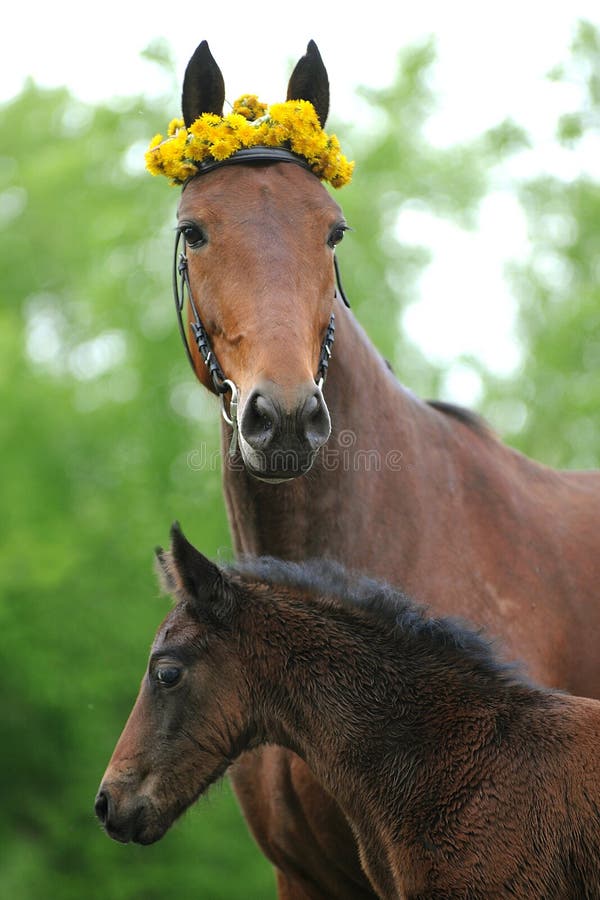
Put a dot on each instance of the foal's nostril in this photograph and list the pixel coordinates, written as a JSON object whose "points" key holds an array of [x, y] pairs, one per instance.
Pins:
{"points": [[101, 807]]}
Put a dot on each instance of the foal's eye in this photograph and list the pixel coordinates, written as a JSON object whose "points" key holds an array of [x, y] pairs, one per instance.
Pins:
{"points": [[336, 235], [168, 675], [194, 236]]}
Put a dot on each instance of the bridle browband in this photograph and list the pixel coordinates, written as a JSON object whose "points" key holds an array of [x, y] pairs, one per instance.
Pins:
{"points": [[181, 284]]}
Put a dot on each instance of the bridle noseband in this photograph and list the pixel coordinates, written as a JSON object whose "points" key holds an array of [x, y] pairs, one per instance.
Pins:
{"points": [[181, 285]]}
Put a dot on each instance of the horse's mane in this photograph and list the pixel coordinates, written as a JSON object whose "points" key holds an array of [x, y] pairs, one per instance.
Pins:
{"points": [[379, 602], [469, 418]]}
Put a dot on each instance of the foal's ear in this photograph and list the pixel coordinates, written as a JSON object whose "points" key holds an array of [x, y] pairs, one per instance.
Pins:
{"points": [[309, 81], [203, 86], [186, 572]]}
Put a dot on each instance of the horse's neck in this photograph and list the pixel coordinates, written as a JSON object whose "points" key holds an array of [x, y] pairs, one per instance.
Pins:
{"points": [[372, 417]]}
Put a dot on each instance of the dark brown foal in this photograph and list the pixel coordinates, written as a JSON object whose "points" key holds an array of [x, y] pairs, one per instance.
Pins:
{"points": [[459, 778]]}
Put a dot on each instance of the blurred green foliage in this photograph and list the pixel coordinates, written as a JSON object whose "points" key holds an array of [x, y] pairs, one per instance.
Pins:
{"points": [[549, 407], [103, 430]]}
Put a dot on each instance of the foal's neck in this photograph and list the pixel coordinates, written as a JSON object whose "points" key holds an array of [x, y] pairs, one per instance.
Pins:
{"points": [[358, 703]]}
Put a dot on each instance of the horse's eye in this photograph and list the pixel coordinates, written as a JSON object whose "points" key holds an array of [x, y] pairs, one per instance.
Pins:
{"points": [[194, 236], [168, 675], [337, 233]]}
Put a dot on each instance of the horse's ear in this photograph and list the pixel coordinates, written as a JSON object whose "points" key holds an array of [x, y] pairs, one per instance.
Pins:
{"points": [[164, 570], [187, 573], [203, 86], [309, 81]]}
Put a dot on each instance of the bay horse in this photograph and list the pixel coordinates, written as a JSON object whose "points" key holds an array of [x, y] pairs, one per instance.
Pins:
{"points": [[359, 469], [459, 778]]}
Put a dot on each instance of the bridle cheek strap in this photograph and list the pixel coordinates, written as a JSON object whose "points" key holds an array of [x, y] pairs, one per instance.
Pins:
{"points": [[181, 284]]}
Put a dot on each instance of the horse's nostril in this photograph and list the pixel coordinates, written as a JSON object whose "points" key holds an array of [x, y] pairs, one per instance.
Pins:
{"points": [[315, 421], [264, 408], [262, 422], [311, 406], [101, 807], [259, 421]]}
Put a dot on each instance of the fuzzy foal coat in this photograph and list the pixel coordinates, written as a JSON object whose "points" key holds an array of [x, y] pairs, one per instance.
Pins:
{"points": [[459, 778]]}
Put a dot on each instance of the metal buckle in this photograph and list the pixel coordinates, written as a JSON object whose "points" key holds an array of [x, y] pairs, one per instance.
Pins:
{"points": [[232, 418]]}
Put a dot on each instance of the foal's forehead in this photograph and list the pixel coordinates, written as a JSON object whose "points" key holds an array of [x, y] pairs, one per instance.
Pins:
{"points": [[225, 190], [177, 629]]}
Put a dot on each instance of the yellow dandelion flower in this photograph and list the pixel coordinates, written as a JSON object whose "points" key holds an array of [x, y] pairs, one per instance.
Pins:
{"points": [[201, 128], [153, 161], [197, 150], [259, 132], [310, 145], [156, 140], [250, 107], [291, 125], [235, 121], [174, 125], [173, 148], [338, 172], [222, 148], [182, 172], [247, 134]]}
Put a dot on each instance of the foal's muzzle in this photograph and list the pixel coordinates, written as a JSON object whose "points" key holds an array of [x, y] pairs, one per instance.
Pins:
{"points": [[279, 443], [123, 820]]}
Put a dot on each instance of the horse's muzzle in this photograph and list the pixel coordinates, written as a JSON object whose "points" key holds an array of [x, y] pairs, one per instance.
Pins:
{"points": [[279, 443]]}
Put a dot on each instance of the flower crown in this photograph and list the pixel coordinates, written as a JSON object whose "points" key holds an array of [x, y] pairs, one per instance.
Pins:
{"points": [[293, 125]]}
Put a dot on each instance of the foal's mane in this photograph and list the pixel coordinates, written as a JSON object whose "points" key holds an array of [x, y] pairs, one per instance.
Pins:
{"points": [[381, 604]]}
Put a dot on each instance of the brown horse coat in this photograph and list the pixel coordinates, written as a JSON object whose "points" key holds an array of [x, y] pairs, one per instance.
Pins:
{"points": [[459, 778]]}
